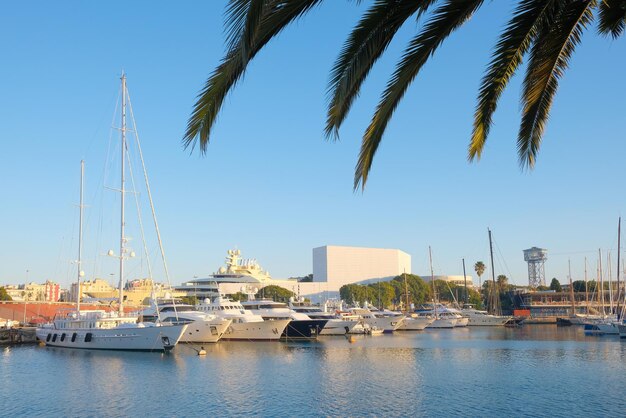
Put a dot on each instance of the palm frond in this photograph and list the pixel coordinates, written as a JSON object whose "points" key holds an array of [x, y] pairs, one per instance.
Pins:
{"points": [[444, 20], [276, 15], [612, 17], [366, 43], [549, 58], [513, 43]]}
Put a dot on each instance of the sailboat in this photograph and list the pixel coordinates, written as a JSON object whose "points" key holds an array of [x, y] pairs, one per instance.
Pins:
{"points": [[490, 318], [100, 329], [442, 319]]}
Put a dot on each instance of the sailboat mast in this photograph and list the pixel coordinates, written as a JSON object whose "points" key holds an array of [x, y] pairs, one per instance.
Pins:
{"points": [[601, 290], [123, 179], [571, 287], [80, 234], [465, 280], [432, 279], [586, 289], [493, 277], [619, 227]]}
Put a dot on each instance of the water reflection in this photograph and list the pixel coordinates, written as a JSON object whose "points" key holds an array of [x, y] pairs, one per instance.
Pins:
{"points": [[533, 370]]}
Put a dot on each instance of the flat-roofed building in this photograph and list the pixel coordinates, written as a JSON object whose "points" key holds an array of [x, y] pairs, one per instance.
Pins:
{"points": [[337, 265]]}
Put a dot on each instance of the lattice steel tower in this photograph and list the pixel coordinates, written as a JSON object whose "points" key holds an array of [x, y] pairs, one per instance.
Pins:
{"points": [[536, 258]]}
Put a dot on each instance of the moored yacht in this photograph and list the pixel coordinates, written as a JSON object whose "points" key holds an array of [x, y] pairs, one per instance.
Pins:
{"points": [[300, 326], [245, 325], [482, 318], [386, 320], [336, 325], [101, 330], [415, 322], [202, 327]]}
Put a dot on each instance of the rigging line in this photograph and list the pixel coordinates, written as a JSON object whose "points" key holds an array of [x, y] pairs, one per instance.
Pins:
{"points": [[139, 218], [502, 260], [145, 174]]}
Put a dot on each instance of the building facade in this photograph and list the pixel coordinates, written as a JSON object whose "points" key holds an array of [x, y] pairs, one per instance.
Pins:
{"points": [[337, 265]]}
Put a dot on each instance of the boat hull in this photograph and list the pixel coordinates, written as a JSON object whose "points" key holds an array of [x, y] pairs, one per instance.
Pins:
{"points": [[415, 324], [205, 331], [149, 338], [270, 330], [304, 329], [338, 327], [443, 323]]}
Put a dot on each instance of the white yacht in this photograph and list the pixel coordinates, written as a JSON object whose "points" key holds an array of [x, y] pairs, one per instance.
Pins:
{"points": [[245, 325], [336, 325], [99, 329], [415, 322], [386, 320], [300, 326], [479, 318], [202, 327]]}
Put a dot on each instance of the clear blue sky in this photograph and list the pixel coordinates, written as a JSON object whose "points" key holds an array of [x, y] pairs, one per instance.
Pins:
{"points": [[270, 184]]}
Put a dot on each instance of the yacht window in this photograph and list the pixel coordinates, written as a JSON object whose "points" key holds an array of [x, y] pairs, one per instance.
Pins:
{"points": [[62, 337], [54, 338], [73, 337], [48, 337]]}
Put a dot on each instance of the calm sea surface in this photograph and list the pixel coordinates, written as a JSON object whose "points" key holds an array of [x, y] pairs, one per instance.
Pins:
{"points": [[536, 370]]}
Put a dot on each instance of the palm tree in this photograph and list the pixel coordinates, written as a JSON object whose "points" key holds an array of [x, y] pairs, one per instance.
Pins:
{"points": [[502, 282], [479, 268], [545, 31]]}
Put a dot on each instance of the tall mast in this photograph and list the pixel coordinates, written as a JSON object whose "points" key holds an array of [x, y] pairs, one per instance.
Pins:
{"points": [[619, 227], [465, 279], [494, 308], [123, 179], [571, 287], [406, 292], [79, 273], [601, 290], [432, 279], [586, 288]]}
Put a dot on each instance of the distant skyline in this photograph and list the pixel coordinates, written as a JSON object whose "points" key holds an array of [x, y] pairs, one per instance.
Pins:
{"points": [[270, 184]]}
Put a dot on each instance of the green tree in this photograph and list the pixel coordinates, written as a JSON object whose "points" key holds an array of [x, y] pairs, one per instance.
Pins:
{"points": [[542, 288], [555, 285], [4, 295], [502, 282], [545, 32], [190, 300], [479, 268], [239, 297], [275, 293]]}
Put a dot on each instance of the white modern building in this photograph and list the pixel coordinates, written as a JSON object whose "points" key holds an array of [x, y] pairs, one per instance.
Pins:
{"points": [[338, 266]]}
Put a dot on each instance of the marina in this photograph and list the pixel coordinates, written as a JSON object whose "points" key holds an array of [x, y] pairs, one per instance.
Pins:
{"points": [[527, 371]]}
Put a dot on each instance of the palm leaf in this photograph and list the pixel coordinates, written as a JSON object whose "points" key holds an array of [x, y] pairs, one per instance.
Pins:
{"points": [[276, 15], [445, 19], [612, 17], [514, 41], [549, 59], [366, 43]]}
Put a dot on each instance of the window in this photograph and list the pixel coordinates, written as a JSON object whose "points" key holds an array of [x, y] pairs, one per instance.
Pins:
{"points": [[73, 337], [88, 337], [62, 337], [48, 337], [54, 338]]}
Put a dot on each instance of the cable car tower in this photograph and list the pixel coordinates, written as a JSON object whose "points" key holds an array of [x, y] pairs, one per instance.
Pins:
{"points": [[536, 259]]}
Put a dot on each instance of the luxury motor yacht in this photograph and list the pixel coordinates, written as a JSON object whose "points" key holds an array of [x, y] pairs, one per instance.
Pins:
{"points": [[300, 326], [101, 330], [202, 327], [415, 322], [482, 318], [245, 325], [388, 321], [336, 325]]}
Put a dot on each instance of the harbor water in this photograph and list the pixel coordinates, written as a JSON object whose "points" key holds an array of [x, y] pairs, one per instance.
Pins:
{"points": [[536, 370]]}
